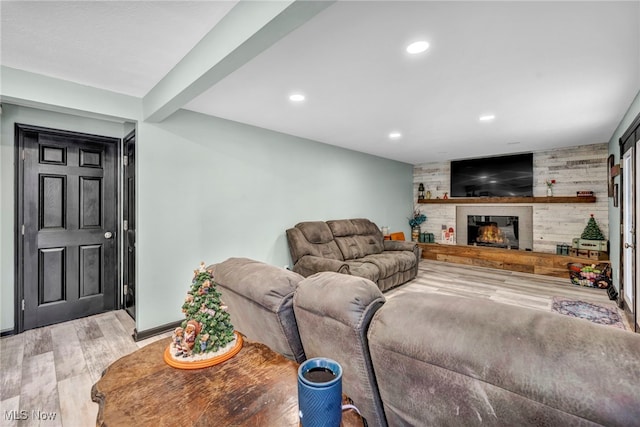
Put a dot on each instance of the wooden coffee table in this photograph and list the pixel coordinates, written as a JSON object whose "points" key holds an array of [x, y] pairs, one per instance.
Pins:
{"points": [[257, 387]]}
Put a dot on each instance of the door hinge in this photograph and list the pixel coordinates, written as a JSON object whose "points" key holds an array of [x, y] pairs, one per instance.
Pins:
{"points": [[125, 225], [23, 229], [125, 160], [22, 305], [23, 155]]}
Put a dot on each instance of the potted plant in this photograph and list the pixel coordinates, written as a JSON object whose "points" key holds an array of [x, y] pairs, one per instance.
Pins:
{"points": [[414, 222]]}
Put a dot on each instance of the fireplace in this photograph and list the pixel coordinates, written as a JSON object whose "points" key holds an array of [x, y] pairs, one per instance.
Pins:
{"points": [[500, 226], [496, 231]]}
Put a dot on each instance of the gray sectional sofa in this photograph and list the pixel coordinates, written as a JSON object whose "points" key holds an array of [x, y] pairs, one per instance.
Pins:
{"points": [[438, 360], [352, 246]]}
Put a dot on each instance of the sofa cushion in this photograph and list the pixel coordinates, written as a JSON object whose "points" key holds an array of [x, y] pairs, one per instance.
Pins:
{"points": [[315, 231], [393, 262], [260, 301], [350, 227], [481, 362], [363, 269], [312, 238], [356, 238]]}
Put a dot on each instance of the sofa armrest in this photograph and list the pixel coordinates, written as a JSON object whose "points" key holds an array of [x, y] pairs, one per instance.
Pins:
{"points": [[333, 313], [309, 265], [399, 245], [260, 301]]}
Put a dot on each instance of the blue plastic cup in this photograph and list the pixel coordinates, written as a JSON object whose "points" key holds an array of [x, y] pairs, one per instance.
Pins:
{"points": [[320, 392]]}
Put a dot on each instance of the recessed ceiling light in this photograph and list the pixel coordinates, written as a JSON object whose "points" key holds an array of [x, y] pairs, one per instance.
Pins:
{"points": [[487, 117], [395, 135], [417, 47], [296, 97]]}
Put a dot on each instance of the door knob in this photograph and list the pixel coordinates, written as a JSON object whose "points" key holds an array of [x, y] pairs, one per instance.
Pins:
{"points": [[627, 246], [108, 235]]}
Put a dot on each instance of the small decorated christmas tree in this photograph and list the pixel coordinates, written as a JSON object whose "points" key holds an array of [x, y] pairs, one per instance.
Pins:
{"points": [[207, 329], [592, 231]]}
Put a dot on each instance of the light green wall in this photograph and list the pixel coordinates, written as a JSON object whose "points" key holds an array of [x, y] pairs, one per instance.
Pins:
{"points": [[207, 188], [210, 189], [614, 212]]}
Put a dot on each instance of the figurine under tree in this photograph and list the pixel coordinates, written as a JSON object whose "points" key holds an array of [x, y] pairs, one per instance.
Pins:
{"points": [[592, 231], [207, 331]]}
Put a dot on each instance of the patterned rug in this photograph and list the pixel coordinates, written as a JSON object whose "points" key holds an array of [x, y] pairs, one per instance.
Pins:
{"points": [[595, 313]]}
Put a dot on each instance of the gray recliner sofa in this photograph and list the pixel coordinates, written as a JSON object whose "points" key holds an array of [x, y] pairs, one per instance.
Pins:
{"points": [[355, 247], [426, 359]]}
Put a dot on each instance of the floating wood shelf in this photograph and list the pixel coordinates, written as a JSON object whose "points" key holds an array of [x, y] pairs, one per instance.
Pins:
{"points": [[507, 200]]}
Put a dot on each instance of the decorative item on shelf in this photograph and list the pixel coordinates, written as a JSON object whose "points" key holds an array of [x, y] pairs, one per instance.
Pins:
{"points": [[427, 238], [206, 336], [415, 234], [446, 195], [421, 191], [428, 195], [550, 184], [414, 222], [385, 231], [592, 231], [592, 243], [584, 193], [448, 236]]}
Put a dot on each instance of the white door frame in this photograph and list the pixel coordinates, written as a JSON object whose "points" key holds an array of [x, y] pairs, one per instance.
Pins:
{"points": [[636, 295], [628, 229], [629, 277]]}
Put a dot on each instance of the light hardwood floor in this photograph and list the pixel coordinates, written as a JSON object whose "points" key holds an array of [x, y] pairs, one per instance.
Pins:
{"points": [[52, 369], [521, 289]]}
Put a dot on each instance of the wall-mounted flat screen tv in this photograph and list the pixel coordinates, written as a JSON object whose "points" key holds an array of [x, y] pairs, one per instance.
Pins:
{"points": [[503, 176]]}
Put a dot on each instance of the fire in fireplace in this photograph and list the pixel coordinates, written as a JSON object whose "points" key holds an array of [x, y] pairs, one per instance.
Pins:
{"points": [[493, 230]]}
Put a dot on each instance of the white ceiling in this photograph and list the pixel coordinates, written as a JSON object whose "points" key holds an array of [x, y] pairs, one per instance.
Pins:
{"points": [[555, 74]]}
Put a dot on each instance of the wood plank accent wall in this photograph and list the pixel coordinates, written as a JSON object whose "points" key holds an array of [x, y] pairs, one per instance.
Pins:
{"points": [[577, 168]]}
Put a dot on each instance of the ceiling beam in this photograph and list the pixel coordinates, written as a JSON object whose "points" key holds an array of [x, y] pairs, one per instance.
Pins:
{"points": [[246, 31]]}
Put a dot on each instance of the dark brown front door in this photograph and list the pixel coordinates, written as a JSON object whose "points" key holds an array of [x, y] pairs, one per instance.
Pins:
{"points": [[68, 205]]}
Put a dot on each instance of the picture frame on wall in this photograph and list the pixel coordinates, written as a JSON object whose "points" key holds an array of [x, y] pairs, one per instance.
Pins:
{"points": [[610, 163]]}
